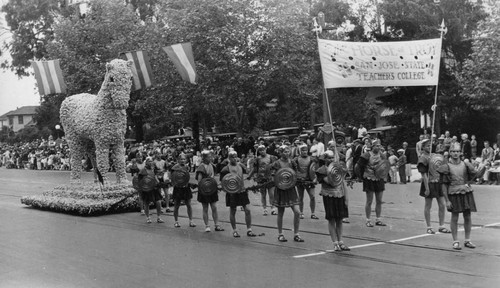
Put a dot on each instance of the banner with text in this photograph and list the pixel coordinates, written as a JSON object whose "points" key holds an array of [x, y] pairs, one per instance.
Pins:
{"points": [[380, 64]]}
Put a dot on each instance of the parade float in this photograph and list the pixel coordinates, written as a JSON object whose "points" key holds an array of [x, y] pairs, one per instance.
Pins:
{"points": [[95, 125]]}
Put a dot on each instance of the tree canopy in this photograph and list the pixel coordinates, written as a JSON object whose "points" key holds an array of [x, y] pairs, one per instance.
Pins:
{"points": [[249, 53]]}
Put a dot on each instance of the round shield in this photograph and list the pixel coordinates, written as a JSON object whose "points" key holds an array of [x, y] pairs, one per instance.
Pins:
{"points": [[382, 169], [207, 186], [285, 178], [180, 178], [436, 160], [231, 183], [147, 183], [312, 171], [335, 171]]}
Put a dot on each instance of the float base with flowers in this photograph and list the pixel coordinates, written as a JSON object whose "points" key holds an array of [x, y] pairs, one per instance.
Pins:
{"points": [[86, 199]]}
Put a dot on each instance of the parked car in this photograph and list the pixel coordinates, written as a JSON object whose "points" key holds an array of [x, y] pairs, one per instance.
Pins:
{"points": [[289, 133]]}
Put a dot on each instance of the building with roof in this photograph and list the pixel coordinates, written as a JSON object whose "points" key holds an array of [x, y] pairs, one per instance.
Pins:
{"points": [[19, 118]]}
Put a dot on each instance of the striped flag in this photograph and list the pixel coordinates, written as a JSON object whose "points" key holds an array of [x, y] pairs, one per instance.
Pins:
{"points": [[141, 70], [182, 56], [49, 77]]}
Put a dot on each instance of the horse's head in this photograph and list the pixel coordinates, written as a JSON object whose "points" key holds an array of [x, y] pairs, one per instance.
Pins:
{"points": [[117, 84]]}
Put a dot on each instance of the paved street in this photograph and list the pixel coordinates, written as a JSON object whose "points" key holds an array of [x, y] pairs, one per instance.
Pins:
{"points": [[47, 249]]}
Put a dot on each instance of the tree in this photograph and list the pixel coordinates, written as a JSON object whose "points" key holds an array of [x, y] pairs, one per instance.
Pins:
{"points": [[479, 79], [31, 22], [419, 19]]}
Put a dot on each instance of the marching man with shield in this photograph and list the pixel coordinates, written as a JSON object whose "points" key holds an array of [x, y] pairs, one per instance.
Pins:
{"points": [[430, 187], [231, 177], [331, 176], [372, 168], [207, 189], [285, 194]]}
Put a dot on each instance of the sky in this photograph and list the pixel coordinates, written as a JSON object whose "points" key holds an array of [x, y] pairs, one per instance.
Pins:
{"points": [[14, 92]]}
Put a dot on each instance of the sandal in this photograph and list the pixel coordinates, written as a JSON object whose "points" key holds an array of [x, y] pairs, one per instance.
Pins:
{"points": [[369, 224], [336, 247], [177, 225], [282, 238], [159, 220], [456, 245], [345, 220], [344, 247], [148, 220], [380, 223], [236, 234], [301, 216], [430, 231], [297, 238], [469, 244], [444, 230], [251, 234], [273, 212], [265, 212], [191, 224], [314, 217], [218, 228]]}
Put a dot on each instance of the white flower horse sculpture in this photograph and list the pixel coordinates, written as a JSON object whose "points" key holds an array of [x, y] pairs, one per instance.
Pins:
{"points": [[95, 124]]}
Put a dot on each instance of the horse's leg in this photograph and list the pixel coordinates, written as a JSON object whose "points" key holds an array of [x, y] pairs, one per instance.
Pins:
{"points": [[119, 162], [102, 158], [77, 152]]}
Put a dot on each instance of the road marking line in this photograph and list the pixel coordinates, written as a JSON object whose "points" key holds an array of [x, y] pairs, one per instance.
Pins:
{"points": [[391, 241]]}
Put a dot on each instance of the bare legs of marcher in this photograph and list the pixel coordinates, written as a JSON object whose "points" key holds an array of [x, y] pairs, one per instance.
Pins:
{"points": [[189, 211], [441, 214], [296, 223], [467, 229], [312, 201], [335, 230], [158, 212], [248, 221], [378, 208], [270, 192], [215, 216]]}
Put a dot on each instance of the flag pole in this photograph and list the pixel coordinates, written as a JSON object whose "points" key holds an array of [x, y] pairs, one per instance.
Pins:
{"points": [[434, 107], [317, 29]]}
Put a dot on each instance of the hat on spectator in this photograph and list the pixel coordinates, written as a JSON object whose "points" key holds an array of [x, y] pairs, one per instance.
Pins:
{"points": [[441, 137], [424, 141], [401, 150]]}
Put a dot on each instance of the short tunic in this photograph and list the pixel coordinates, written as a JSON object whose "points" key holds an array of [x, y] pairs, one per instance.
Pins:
{"points": [[206, 171], [333, 196], [184, 192], [368, 163], [239, 198], [428, 164], [149, 196], [459, 193], [288, 197]]}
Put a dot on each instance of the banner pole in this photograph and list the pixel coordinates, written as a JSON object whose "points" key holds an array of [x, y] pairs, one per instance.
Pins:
{"points": [[317, 28], [434, 107]]}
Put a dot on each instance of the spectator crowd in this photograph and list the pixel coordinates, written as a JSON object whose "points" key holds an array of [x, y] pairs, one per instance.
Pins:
{"points": [[50, 154]]}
